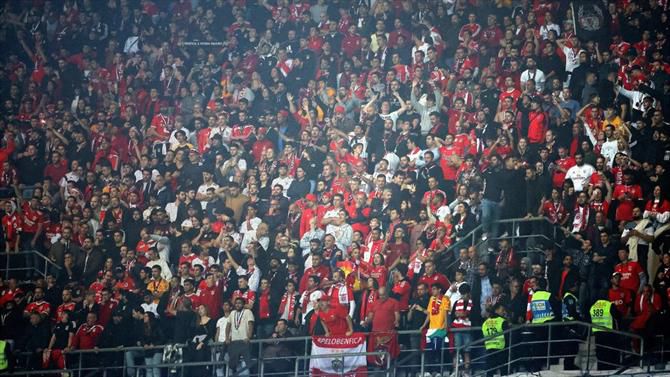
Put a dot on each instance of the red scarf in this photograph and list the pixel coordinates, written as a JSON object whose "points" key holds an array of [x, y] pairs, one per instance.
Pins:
{"points": [[581, 219], [287, 299], [435, 306]]}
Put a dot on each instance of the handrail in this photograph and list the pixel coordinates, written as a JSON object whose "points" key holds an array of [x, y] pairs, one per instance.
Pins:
{"points": [[591, 326], [480, 342], [472, 234], [293, 339], [305, 339], [48, 263], [196, 364], [23, 252], [476, 244]]}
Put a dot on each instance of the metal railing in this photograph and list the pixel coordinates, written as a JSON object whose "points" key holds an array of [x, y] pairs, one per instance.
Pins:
{"points": [[473, 238], [15, 263], [216, 366], [411, 359], [548, 233], [534, 347]]}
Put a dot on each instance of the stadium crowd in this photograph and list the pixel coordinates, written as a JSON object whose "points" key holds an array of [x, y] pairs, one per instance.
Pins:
{"points": [[219, 170]]}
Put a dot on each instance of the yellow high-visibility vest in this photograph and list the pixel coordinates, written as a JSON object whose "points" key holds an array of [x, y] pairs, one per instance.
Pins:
{"points": [[493, 331], [541, 307], [601, 315], [4, 363]]}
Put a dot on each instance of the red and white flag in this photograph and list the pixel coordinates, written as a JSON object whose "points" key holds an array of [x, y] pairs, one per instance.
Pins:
{"points": [[349, 366]]}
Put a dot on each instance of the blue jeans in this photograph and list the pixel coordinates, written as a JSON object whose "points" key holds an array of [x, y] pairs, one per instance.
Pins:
{"points": [[130, 357], [490, 215], [154, 359]]}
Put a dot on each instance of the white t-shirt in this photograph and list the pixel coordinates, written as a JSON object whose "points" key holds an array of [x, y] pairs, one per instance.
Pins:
{"points": [[254, 277], [545, 29], [609, 149], [250, 225], [284, 182], [393, 116], [571, 58], [580, 176], [203, 191], [221, 326], [538, 76], [239, 324]]}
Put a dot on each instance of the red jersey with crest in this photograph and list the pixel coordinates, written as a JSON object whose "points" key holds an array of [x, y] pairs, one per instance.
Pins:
{"points": [[42, 307], [630, 275], [621, 299], [31, 219]]}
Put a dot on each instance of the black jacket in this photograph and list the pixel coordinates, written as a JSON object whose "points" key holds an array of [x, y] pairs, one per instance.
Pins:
{"points": [[35, 337]]}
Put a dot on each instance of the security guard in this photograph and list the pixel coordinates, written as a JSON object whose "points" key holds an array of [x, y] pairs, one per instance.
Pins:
{"points": [[569, 333], [5, 353], [604, 315], [496, 342], [542, 306]]}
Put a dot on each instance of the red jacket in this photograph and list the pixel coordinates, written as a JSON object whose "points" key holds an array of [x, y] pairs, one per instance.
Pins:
{"points": [[87, 337], [537, 127], [436, 278], [321, 271], [212, 299], [7, 151]]}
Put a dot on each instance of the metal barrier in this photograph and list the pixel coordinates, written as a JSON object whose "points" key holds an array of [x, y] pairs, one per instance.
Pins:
{"points": [[542, 345], [473, 239], [20, 265], [217, 366], [410, 361]]}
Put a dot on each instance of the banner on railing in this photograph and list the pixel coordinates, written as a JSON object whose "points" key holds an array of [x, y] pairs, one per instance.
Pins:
{"points": [[349, 366]]}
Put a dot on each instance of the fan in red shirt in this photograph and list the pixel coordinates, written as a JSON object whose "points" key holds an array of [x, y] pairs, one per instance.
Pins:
{"points": [[308, 212], [383, 320], [243, 292], [619, 297], [402, 289], [67, 306], [657, 208], [434, 197], [554, 209], [633, 277], [335, 320], [11, 226], [645, 305], [57, 169], [510, 91], [11, 292], [317, 269], [187, 255], [340, 294], [106, 308], [351, 43], [378, 271], [563, 164], [538, 122], [627, 194], [359, 213], [39, 305], [211, 296], [88, 335], [32, 221], [431, 276], [450, 159], [243, 130], [373, 245], [261, 144]]}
